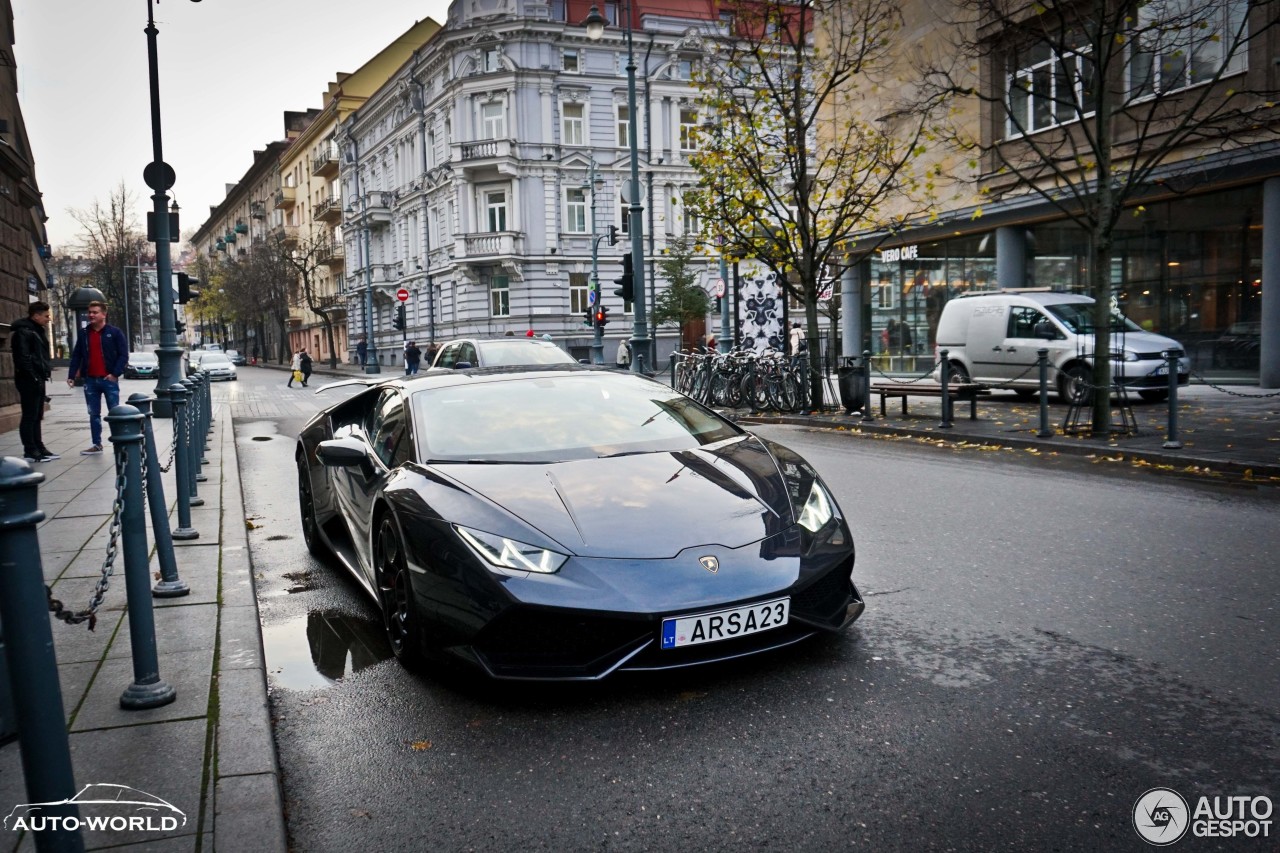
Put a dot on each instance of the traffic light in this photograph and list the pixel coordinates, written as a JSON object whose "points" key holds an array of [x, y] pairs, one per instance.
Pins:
{"points": [[602, 316], [587, 318], [613, 235], [184, 287], [626, 283], [399, 322]]}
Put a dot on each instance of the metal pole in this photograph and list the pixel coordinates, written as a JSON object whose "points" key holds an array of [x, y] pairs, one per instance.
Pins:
{"points": [[1171, 441], [371, 348], [597, 336], [194, 440], [867, 413], [148, 689], [28, 646], [946, 397], [723, 342], [640, 328], [1042, 356], [170, 585], [178, 394]]}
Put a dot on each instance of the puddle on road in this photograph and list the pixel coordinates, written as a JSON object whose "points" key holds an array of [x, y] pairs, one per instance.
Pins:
{"points": [[320, 648]]}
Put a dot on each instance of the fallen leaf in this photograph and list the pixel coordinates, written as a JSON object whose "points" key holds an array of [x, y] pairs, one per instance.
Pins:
{"points": [[420, 745], [361, 813]]}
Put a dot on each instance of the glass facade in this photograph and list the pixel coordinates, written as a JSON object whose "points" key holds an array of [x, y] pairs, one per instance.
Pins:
{"points": [[1188, 268]]}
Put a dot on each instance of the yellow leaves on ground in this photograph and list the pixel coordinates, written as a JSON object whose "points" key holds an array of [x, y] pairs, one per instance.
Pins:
{"points": [[419, 745]]}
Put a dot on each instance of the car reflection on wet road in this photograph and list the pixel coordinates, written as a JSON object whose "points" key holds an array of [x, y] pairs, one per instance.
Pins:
{"points": [[318, 648]]}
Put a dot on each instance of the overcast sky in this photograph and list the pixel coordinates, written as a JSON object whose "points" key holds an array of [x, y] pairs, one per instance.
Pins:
{"points": [[228, 71]]}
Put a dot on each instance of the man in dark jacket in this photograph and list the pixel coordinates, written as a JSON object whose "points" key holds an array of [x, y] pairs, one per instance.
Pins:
{"points": [[100, 356], [30, 344]]}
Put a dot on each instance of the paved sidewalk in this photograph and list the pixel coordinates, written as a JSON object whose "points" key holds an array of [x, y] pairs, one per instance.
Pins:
{"points": [[210, 753]]}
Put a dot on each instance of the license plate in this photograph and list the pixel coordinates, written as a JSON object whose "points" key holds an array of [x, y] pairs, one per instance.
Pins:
{"points": [[725, 624]]}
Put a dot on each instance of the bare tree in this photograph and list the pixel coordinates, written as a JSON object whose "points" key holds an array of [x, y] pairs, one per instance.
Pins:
{"points": [[110, 240], [305, 257], [803, 152], [1092, 105]]}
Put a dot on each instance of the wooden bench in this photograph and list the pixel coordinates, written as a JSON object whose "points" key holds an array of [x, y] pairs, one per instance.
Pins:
{"points": [[970, 391]]}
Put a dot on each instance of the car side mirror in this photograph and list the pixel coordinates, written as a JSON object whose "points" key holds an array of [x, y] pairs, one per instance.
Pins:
{"points": [[341, 452], [462, 365]]}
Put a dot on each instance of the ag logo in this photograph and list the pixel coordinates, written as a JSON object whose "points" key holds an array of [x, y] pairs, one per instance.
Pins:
{"points": [[709, 563], [1161, 816]]}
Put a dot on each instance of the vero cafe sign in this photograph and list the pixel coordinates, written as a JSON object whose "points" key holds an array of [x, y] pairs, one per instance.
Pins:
{"points": [[903, 253]]}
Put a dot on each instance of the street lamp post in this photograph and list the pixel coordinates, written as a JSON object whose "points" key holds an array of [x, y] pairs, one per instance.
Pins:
{"points": [[371, 348], [160, 177], [595, 24], [597, 338]]}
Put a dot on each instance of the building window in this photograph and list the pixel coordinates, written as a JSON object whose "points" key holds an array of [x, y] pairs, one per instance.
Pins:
{"points": [[579, 287], [688, 130], [495, 207], [1049, 88], [569, 61], [689, 218], [493, 121], [574, 124], [492, 59], [624, 124], [624, 216], [1179, 43], [575, 210], [499, 296]]}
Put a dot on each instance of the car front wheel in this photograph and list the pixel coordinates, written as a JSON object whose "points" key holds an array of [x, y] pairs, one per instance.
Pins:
{"points": [[395, 593], [307, 509]]}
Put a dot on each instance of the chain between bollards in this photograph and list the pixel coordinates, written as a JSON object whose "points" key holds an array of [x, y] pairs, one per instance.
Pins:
{"points": [[28, 647], [148, 690]]}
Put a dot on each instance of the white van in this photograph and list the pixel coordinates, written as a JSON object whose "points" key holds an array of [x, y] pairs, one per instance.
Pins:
{"points": [[992, 337]]}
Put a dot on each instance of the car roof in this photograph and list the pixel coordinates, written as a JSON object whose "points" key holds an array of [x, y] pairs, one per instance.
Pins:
{"points": [[1038, 295]]}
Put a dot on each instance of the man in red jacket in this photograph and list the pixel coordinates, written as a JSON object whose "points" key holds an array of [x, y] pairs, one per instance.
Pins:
{"points": [[100, 356]]}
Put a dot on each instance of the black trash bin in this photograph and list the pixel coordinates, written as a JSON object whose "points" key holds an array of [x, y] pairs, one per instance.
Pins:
{"points": [[853, 385]]}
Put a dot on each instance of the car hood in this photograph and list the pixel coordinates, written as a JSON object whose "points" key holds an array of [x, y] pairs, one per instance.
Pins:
{"points": [[646, 506], [1143, 342]]}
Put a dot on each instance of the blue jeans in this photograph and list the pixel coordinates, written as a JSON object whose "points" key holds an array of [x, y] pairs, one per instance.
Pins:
{"points": [[94, 390]]}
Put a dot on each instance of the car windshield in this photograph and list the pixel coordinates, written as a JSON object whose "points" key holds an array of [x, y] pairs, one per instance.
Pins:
{"points": [[1078, 317], [142, 358], [214, 358], [499, 353], [558, 417]]}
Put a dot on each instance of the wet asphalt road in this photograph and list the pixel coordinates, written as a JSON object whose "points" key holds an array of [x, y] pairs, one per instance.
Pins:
{"points": [[1044, 642]]}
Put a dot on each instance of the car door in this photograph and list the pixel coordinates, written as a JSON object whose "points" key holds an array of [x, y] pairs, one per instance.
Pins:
{"points": [[388, 448], [1013, 360], [448, 356]]}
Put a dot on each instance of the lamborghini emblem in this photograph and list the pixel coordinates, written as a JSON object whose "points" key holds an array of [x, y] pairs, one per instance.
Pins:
{"points": [[711, 564]]}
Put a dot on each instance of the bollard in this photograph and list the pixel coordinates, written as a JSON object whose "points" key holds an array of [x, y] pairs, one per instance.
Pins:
{"points": [[1171, 441], [1042, 358], [866, 369], [946, 396], [198, 428], [148, 689], [673, 369], [170, 585], [28, 646], [182, 461], [206, 419], [193, 452]]}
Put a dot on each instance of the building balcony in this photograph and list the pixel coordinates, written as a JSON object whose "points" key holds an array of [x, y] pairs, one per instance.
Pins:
{"points": [[286, 197], [327, 210], [324, 159], [258, 209], [491, 244], [487, 155], [286, 235], [377, 209], [331, 253]]}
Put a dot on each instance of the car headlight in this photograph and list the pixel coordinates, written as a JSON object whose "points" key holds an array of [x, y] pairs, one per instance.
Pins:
{"points": [[818, 509], [1130, 355], [509, 554]]}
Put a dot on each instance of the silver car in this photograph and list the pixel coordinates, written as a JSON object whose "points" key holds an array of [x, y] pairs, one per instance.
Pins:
{"points": [[216, 365]]}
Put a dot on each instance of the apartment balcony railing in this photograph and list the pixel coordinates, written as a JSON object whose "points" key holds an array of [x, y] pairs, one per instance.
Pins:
{"points": [[331, 253], [324, 159], [327, 210], [286, 196], [285, 234], [258, 209], [492, 244]]}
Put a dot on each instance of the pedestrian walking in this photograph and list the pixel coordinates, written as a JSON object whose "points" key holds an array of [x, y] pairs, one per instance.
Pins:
{"points": [[100, 357], [295, 369], [624, 354], [362, 350], [433, 349], [799, 344], [304, 364], [31, 370], [412, 359]]}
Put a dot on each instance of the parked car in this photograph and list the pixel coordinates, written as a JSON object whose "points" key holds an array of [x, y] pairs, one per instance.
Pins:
{"points": [[236, 358], [216, 365], [992, 338], [193, 362], [142, 365], [1240, 346], [569, 522], [496, 352]]}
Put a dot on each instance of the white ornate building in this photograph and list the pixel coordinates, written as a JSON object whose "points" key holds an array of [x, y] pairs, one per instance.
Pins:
{"points": [[465, 179]]}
